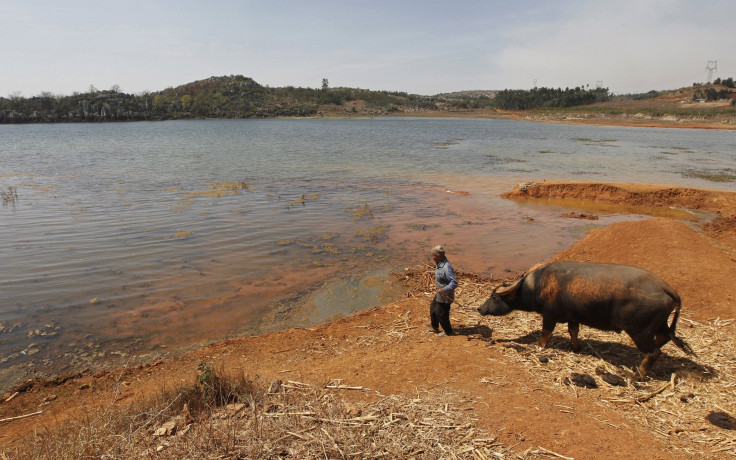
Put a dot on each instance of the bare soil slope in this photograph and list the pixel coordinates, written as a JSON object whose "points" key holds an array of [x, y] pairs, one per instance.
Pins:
{"points": [[525, 397]]}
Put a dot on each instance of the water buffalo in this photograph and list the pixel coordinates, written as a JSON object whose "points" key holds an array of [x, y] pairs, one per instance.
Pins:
{"points": [[604, 296]]}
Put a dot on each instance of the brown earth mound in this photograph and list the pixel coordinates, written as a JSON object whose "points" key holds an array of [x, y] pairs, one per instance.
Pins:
{"points": [[632, 194], [535, 403]]}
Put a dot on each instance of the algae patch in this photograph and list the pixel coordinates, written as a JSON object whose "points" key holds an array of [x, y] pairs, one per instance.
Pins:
{"points": [[366, 211], [182, 235], [725, 175], [302, 200], [372, 235], [219, 189]]}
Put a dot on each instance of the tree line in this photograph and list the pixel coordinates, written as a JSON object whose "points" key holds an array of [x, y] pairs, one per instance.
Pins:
{"points": [[728, 82], [232, 96], [237, 96], [549, 97], [215, 97]]}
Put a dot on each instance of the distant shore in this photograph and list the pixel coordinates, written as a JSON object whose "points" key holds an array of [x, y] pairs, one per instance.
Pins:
{"points": [[638, 120]]}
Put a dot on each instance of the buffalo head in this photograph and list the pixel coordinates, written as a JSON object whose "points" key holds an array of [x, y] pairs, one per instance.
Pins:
{"points": [[497, 304]]}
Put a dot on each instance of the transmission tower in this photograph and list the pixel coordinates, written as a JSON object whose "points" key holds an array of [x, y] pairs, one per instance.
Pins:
{"points": [[712, 66], [599, 84]]}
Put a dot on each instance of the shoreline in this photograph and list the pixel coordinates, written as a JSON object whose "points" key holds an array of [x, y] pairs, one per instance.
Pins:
{"points": [[573, 118], [387, 349], [576, 119]]}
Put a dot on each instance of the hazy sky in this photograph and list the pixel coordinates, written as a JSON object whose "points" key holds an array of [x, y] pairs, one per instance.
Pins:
{"points": [[417, 46]]}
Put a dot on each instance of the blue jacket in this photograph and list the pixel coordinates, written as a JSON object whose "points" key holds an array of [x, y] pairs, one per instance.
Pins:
{"points": [[444, 278]]}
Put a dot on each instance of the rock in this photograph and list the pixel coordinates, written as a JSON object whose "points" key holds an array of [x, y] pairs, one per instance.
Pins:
{"points": [[613, 379], [186, 415], [352, 411], [722, 420], [167, 429], [581, 215], [230, 411], [275, 387], [583, 380]]}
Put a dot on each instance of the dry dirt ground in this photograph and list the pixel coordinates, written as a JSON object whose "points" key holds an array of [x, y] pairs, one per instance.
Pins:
{"points": [[524, 397]]}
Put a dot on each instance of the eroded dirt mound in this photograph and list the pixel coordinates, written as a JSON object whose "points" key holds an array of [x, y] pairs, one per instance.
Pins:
{"points": [[632, 194]]}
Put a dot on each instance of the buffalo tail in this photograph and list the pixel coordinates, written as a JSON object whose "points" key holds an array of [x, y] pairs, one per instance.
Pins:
{"points": [[680, 343]]}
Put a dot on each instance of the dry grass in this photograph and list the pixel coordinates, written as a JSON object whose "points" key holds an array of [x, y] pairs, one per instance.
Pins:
{"points": [[234, 418], [129, 432]]}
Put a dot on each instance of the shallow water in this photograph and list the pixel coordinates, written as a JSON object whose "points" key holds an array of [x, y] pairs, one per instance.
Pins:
{"points": [[129, 240]]}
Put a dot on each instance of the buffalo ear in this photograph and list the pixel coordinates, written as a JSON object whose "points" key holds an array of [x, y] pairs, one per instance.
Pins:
{"points": [[510, 291]]}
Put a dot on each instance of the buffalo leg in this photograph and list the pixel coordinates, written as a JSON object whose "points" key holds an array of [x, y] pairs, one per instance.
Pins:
{"points": [[547, 328], [660, 338], [649, 359], [573, 328], [648, 344]]}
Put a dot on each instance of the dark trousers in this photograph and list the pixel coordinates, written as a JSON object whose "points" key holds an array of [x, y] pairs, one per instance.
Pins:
{"points": [[439, 314]]}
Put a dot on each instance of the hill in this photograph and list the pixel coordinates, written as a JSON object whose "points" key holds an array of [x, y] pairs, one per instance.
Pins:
{"points": [[232, 96], [236, 96]]}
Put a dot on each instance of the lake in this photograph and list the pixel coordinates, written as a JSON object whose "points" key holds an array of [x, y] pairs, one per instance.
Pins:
{"points": [[131, 240]]}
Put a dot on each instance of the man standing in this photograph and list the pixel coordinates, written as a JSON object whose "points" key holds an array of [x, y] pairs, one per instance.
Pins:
{"points": [[444, 278]]}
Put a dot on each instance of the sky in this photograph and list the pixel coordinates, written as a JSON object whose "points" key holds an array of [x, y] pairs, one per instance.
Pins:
{"points": [[417, 46]]}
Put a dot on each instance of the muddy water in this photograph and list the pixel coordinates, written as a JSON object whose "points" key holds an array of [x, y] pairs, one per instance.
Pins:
{"points": [[128, 241]]}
